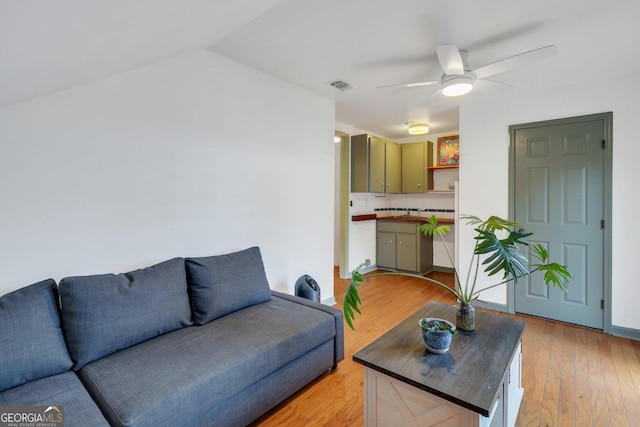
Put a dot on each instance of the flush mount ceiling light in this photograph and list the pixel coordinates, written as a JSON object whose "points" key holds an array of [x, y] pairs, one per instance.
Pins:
{"points": [[457, 86], [418, 129]]}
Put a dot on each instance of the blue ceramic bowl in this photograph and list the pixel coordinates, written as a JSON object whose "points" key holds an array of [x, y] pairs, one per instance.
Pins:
{"points": [[437, 342]]}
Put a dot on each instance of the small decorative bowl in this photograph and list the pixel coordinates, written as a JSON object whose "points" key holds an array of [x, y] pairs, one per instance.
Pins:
{"points": [[437, 342]]}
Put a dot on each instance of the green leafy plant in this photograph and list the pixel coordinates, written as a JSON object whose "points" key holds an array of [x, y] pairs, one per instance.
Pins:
{"points": [[500, 255], [435, 325]]}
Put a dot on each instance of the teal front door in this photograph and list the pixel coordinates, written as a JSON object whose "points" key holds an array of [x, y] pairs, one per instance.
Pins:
{"points": [[558, 196]]}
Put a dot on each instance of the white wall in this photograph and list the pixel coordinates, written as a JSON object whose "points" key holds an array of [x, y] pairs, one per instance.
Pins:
{"points": [[192, 156], [484, 142]]}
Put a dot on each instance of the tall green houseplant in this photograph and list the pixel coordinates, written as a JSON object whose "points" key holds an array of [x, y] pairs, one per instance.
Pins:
{"points": [[499, 255]]}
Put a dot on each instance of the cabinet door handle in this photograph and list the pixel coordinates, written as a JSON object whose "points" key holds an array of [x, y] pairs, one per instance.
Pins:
{"points": [[400, 242]]}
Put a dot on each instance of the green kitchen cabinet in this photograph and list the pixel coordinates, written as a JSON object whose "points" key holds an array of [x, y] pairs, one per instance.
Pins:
{"points": [[416, 158], [375, 165], [401, 246]]}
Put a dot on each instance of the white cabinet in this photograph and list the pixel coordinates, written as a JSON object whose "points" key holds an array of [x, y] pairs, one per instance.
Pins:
{"points": [[513, 388]]}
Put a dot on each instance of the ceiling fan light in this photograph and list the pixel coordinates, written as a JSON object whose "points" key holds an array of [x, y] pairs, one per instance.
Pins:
{"points": [[418, 129], [457, 86]]}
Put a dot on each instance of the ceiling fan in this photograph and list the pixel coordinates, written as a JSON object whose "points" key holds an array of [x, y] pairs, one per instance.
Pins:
{"points": [[458, 79]]}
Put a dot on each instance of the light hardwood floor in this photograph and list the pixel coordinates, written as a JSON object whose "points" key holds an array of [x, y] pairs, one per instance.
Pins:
{"points": [[572, 376]]}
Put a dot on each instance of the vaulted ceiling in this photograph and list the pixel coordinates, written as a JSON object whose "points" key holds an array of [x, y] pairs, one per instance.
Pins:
{"points": [[48, 46]]}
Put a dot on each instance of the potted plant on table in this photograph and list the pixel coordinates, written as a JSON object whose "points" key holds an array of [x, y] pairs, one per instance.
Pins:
{"points": [[437, 334], [502, 256]]}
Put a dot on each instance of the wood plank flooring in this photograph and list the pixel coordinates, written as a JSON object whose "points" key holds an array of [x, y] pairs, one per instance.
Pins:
{"points": [[572, 376]]}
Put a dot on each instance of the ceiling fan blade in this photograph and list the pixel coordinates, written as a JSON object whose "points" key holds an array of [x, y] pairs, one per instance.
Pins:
{"points": [[492, 86], [428, 98], [515, 61], [416, 84], [450, 59]]}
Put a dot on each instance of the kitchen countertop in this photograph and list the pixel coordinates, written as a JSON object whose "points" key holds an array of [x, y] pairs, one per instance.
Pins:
{"points": [[414, 219]]}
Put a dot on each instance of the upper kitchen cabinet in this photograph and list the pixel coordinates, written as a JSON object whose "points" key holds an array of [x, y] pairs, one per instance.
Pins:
{"points": [[393, 167], [416, 158], [375, 165]]}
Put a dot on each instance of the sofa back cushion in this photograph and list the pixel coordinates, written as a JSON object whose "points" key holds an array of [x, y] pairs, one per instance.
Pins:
{"points": [[31, 341], [102, 314], [223, 284]]}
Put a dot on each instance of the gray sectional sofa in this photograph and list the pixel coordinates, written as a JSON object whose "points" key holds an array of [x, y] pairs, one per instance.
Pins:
{"points": [[186, 342]]}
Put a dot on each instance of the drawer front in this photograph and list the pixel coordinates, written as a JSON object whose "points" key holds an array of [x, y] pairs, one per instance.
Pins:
{"points": [[397, 227]]}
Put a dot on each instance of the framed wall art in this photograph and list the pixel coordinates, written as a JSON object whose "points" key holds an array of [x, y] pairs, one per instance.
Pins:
{"points": [[448, 150]]}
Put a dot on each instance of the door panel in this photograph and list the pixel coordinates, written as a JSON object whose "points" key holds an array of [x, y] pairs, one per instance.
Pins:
{"points": [[386, 244], [538, 195], [376, 165], [413, 167], [407, 251], [576, 255], [559, 197], [393, 173]]}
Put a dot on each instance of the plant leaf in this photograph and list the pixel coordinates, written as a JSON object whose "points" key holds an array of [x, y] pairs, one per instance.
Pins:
{"points": [[504, 255], [493, 223], [540, 252], [556, 274], [431, 227], [471, 219], [352, 298]]}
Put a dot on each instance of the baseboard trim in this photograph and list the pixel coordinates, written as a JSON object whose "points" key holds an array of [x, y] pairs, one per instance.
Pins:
{"points": [[329, 301], [491, 305], [368, 269], [619, 331], [442, 269]]}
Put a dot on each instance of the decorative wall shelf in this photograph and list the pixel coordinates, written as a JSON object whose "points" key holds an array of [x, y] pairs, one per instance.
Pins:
{"points": [[431, 168]]}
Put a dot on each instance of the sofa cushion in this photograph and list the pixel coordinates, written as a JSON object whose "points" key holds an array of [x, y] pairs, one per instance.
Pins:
{"points": [[105, 313], [63, 390], [177, 377], [31, 341], [222, 284]]}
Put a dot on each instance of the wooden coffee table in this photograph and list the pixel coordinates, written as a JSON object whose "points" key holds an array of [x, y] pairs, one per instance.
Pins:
{"points": [[477, 383]]}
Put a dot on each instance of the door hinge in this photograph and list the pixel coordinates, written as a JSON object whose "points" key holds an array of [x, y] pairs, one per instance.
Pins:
{"points": [[602, 224], [601, 304], [603, 144]]}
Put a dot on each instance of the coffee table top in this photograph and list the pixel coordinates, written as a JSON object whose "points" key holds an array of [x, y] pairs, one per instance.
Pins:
{"points": [[470, 374]]}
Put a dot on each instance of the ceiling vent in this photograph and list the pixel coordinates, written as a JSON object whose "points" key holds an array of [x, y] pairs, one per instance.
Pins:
{"points": [[339, 84]]}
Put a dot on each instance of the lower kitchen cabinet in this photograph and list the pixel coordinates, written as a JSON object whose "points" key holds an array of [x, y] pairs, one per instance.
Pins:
{"points": [[401, 246]]}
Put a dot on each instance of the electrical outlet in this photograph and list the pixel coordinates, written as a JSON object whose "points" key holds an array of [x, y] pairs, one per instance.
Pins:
{"points": [[367, 262]]}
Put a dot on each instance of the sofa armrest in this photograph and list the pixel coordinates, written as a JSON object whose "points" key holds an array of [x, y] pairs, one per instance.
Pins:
{"points": [[337, 314]]}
